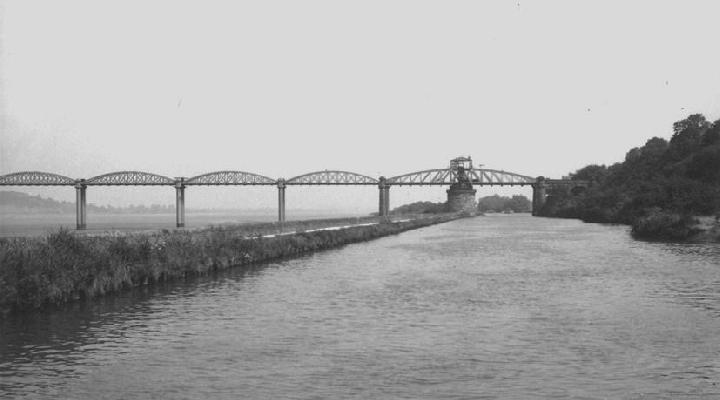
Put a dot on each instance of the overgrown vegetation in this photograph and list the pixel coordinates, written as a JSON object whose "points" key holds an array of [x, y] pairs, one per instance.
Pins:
{"points": [[660, 224], [64, 266], [420, 207], [267, 228], [657, 189], [495, 203]]}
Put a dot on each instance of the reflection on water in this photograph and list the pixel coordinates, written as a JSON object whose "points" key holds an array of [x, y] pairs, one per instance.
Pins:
{"points": [[492, 307]]}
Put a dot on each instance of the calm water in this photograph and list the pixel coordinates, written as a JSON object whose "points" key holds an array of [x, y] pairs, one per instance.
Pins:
{"points": [[491, 307]]}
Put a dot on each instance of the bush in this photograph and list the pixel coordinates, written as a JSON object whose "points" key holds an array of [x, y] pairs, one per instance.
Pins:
{"points": [[659, 224]]}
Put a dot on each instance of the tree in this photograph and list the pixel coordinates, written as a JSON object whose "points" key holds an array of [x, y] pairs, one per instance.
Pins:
{"points": [[491, 203], [687, 135], [519, 204], [592, 173], [712, 135], [695, 122]]}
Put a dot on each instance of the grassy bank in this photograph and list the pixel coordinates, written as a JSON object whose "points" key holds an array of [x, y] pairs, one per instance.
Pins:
{"points": [[248, 228], [63, 266]]}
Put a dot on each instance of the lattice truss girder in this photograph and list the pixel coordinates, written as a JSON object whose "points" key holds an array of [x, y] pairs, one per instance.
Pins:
{"points": [[230, 178], [426, 177], [495, 177], [35, 178], [447, 177], [135, 178], [332, 178]]}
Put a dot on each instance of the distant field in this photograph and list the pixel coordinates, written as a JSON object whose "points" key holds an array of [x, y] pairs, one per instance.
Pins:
{"points": [[38, 224]]}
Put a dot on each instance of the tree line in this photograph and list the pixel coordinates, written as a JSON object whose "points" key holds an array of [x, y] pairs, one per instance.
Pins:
{"points": [[22, 203], [658, 188], [494, 203]]}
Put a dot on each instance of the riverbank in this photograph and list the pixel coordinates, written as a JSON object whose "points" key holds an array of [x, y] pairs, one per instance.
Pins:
{"points": [[666, 226], [63, 266], [708, 229], [663, 225]]}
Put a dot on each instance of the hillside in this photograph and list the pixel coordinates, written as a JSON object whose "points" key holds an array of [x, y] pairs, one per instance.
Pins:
{"points": [[12, 202], [659, 188]]}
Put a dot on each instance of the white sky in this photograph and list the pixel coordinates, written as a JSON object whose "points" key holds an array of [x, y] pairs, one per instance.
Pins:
{"points": [[282, 88]]}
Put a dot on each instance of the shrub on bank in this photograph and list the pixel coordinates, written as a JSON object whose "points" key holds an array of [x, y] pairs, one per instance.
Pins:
{"points": [[63, 266], [664, 225]]}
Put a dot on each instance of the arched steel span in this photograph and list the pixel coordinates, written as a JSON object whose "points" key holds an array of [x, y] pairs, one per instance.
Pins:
{"points": [[130, 178], [447, 177], [35, 178], [332, 178], [230, 178]]}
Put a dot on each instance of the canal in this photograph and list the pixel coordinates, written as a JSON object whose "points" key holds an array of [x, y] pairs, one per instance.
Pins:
{"points": [[504, 306]]}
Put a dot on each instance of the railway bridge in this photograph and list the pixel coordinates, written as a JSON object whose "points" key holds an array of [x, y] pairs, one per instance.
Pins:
{"points": [[461, 176]]}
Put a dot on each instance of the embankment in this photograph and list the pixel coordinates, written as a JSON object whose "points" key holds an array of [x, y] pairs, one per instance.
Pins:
{"points": [[661, 225], [63, 266]]}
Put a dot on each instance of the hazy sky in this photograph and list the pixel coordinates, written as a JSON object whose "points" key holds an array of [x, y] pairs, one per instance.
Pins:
{"points": [[386, 87]]}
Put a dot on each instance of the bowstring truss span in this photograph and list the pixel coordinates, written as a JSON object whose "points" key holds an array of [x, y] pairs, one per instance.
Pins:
{"points": [[447, 177], [128, 178], [230, 178], [332, 178], [35, 178]]}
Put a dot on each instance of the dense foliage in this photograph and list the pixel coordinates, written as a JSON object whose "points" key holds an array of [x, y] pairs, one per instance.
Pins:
{"points": [[420, 207], [495, 203], [658, 186]]}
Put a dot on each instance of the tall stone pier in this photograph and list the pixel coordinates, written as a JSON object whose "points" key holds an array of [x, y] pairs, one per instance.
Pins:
{"points": [[461, 195], [539, 193], [461, 199]]}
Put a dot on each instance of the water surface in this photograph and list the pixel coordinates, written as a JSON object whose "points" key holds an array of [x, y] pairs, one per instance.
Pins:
{"points": [[489, 307]]}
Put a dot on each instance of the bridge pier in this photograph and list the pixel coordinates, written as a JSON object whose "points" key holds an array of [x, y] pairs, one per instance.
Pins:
{"points": [[461, 199], [281, 199], [461, 195], [80, 204], [180, 202], [384, 199], [539, 192]]}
